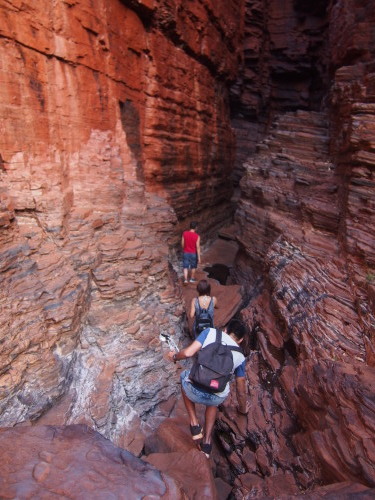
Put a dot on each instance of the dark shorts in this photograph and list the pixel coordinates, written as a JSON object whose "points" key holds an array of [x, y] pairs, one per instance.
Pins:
{"points": [[190, 261], [197, 395]]}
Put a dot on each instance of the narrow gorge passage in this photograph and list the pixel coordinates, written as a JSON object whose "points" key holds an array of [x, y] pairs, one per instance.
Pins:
{"points": [[243, 446], [171, 448], [295, 440], [121, 121]]}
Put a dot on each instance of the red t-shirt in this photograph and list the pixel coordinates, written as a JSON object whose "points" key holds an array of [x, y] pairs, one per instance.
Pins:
{"points": [[190, 241]]}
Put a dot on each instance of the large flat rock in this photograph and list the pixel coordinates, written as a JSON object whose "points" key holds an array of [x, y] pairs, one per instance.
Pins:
{"points": [[75, 462]]}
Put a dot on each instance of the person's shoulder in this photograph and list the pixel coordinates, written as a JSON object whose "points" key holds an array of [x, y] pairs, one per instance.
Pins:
{"points": [[206, 336], [211, 335]]}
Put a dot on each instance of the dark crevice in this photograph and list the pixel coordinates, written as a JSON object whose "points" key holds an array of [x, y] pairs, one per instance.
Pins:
{"points": [[2, 164], [219, 272], [145, 14], [291, 348]]}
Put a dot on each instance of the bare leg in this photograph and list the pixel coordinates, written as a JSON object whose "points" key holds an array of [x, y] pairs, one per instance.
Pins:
{"points": [[185, 274], [209, 421], [190, 407], [192, 273]]}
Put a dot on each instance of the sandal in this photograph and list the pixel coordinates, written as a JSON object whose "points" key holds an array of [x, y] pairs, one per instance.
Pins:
{"points": [[196, 432], [206, 448]]}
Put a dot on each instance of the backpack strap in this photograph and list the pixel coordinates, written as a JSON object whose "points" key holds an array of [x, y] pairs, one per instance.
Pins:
{"points": [[235, 348], [219, 335], [199, 306]]}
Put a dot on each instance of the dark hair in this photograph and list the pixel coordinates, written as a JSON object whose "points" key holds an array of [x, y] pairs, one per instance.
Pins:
{"points": [[193, 224], [203, 288], [236, 327]]}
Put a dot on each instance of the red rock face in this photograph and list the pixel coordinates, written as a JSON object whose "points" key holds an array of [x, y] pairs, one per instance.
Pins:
{"points": [[115, 128], [115, 132], [305, 219], [76, 462]]}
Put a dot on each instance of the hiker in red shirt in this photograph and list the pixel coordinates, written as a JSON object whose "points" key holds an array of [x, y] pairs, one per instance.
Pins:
{"points": [[191, 252]]}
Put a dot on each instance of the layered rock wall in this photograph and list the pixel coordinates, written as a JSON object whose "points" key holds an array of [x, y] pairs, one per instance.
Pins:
{"points": [[284, 67], [305, 219], [114, 130]]}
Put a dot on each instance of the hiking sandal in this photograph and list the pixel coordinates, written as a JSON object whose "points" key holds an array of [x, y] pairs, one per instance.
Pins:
{"points": [[196, 432], [206, 448]]}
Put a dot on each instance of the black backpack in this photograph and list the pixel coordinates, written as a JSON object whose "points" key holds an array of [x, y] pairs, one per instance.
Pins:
{"points": [[203, 319], [213, 365]]}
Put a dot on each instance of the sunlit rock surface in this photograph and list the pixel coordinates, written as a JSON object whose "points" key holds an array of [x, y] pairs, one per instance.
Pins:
{"points": [[114, 130], [115, 133]]}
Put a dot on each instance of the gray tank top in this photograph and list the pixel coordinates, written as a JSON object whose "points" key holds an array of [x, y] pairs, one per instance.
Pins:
{"points": [[210, 308]]}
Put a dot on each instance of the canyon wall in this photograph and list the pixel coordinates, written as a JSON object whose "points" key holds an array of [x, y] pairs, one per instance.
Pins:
{"points": [[115, 133], [284, 68], [305, 222]]}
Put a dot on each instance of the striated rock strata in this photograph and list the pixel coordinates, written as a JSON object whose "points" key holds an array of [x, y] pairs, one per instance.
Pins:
{"points": [[115, 133], [115, 130], [284, 68], [312, 419], [305, 226]]}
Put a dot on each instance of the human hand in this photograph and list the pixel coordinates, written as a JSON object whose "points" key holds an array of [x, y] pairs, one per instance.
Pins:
{"points": [[170, 356]]}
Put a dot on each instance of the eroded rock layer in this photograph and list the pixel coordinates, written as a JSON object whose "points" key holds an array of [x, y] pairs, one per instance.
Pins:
{"points": [[114, 130], [305, 223], [284, 67]]}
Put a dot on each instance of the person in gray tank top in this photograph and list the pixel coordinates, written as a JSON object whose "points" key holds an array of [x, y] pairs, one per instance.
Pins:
{"points": [[204, 302]]}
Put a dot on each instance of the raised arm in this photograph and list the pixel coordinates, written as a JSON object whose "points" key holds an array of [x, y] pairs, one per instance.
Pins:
{"points": [[188, 352]]}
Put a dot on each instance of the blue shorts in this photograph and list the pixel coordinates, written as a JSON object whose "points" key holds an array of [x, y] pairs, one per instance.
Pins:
{"points": [[190, 261], [198, 395]]}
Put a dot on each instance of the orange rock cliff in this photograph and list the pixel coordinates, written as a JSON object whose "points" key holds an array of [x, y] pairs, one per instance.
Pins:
{"points": [[123, 120]]}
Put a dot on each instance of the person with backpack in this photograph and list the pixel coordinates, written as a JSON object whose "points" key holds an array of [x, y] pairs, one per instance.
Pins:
{"points": [[190, 243], [202, 308], [207, 382]]}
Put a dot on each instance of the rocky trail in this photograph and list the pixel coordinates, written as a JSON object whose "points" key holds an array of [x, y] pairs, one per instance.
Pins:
{"points": [[264, 455], [73, 461], [121, 121]]}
